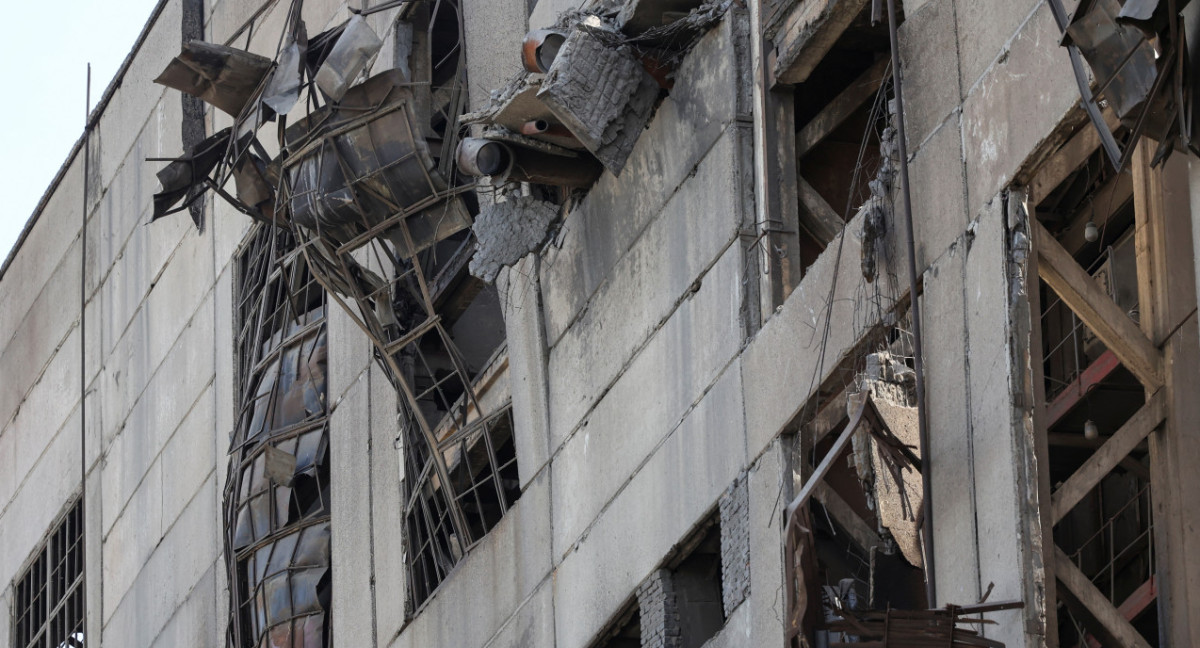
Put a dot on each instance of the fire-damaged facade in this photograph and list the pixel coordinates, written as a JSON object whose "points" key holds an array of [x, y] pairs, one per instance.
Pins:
{"points": [[608, 323]]}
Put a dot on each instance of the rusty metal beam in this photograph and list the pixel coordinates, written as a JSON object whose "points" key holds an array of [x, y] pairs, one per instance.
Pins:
{"points": [[1101, 314]]}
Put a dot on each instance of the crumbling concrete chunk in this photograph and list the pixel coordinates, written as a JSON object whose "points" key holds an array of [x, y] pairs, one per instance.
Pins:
{"points": [[602, 94], [508, 231]]}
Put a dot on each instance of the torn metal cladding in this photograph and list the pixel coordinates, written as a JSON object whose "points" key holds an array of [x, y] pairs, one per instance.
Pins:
{"points": [[350, 55], [1143, 56], [189, 171], [225, 77]]}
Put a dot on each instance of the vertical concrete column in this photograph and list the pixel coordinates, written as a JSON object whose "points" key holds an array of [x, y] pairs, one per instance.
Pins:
{"points": [[525, 330], [734, 510], [350, 450], [494, 32]]}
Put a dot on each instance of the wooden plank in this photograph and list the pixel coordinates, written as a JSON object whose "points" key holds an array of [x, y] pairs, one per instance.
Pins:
{"points": [[807, 35], [1069, 158], [816, 216], [836, 112], [1096, 603], [1084, 296], [844, 515], [1118, 446]]}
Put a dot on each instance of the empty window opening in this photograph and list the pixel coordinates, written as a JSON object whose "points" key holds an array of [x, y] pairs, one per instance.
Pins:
{"points": [[840, 116], [48, 597]]}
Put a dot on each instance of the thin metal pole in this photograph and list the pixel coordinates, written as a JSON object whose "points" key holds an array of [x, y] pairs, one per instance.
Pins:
{"points": [[87, 156], [918, 360]]}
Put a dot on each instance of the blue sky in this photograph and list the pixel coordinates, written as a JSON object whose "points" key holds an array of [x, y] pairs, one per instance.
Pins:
{"points": [[43, 65]]}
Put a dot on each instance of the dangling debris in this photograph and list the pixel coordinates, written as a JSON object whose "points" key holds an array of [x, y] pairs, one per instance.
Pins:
{"points": [[225, 77], [187, 172], [283, 88], [508, 231], [602, 94]]}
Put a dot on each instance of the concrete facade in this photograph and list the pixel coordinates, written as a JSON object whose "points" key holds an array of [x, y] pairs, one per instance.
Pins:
{"points": [[651, 389]]}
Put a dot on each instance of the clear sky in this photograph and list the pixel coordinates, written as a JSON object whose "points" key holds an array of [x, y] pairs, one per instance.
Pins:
{"points": [[43, 67]]}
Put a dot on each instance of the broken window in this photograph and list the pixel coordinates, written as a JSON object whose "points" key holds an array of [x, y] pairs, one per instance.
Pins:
{"points": [[277, 497], [366, 206], [48, 597]]}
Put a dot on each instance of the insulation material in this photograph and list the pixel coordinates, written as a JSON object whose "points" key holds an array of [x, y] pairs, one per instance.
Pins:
{"points": [[602, 94], [508, 231]]}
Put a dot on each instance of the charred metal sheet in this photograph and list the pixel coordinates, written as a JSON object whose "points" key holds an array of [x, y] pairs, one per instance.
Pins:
{"points": [[602, 94], [508, 231], [283, 87], [179, 177], [349, 56], [255, 181], [225, 77], [517, 105], [1122, 60]]}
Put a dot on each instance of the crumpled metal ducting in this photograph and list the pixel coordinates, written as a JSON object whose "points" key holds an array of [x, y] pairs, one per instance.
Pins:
{"points": [[362, 163], [225, 77], [1122, 59]]}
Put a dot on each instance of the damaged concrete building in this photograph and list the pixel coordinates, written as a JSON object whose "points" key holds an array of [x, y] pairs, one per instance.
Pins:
{"points": [[610, 323]]}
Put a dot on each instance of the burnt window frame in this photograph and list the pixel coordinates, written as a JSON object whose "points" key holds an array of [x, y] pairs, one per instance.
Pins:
{"points": [[277, 458]]}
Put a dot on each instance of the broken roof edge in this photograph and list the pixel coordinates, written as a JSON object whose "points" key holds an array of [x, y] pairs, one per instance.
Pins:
{"points": [[93, 118]]}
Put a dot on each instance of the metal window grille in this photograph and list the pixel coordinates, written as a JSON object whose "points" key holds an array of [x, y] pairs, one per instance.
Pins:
{"points": [[277, 498], [49, 610]]}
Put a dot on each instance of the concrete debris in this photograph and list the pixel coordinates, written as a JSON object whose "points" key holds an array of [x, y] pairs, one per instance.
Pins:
{"points": [[509, 230], [602, 94], [225, 77], [886, 454]]}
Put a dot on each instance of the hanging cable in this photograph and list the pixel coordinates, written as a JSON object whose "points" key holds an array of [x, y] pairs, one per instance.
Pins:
{"points": [[918, 361]]}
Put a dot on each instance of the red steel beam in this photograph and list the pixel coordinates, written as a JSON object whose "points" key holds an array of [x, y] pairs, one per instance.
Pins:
{"points": [[1141, 599], [1070, 397]]}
